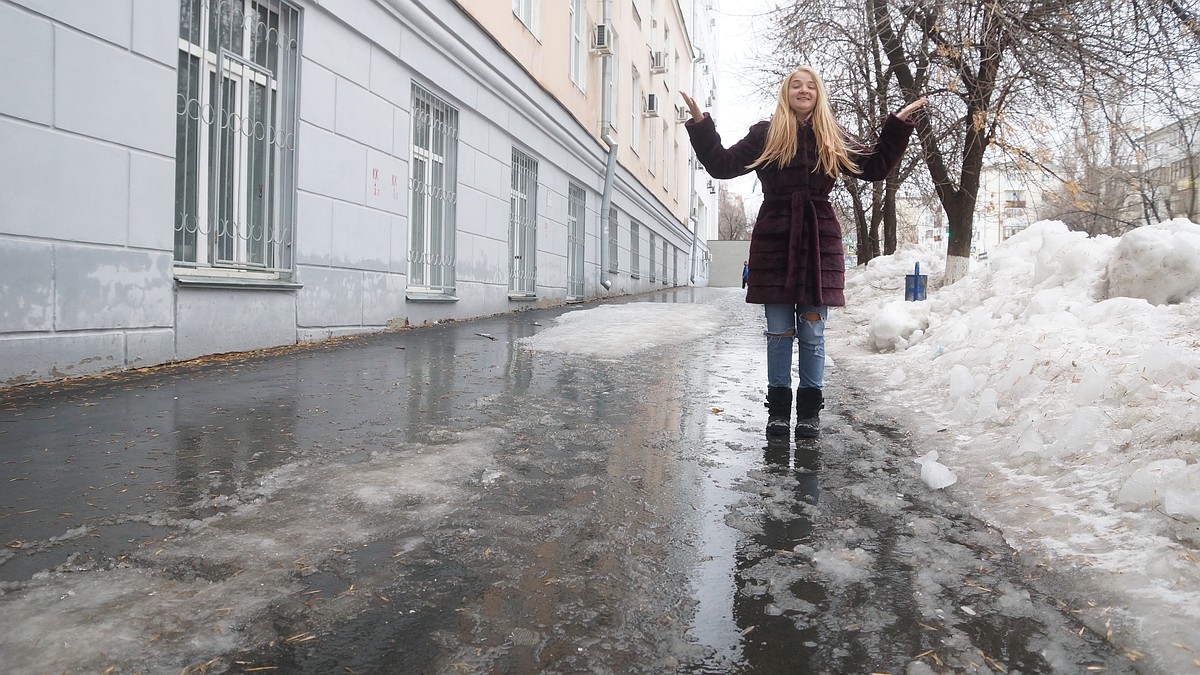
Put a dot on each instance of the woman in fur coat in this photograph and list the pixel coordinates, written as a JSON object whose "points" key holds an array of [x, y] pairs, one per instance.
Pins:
{"points": [[797, 264]]}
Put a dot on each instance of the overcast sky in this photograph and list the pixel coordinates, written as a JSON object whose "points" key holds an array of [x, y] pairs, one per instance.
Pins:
{"points": [[739, 105]]}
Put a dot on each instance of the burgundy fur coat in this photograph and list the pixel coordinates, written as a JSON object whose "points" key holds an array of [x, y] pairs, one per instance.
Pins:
{"points": [[796, 254]]}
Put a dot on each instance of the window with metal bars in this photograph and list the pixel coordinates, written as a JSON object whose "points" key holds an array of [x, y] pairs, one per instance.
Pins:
{"points": [[650, 258], [635, 246], [522, 226], [614, 246], [236, 117], [433, 195], [576, 208]]}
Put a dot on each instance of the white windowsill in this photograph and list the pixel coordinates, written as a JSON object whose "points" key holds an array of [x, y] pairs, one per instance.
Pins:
{"points": [[221, 278], [429, 296]]}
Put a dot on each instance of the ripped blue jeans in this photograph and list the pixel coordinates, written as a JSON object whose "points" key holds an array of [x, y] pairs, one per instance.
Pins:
{"points": [[804, 325]]}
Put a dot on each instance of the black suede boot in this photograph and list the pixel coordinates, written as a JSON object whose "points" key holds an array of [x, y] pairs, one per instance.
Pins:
{"points": [[779, 410], [809, 402]]}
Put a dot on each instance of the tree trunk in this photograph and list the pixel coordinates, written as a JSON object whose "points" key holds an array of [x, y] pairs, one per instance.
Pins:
{"points": [[889, 215], [958, 200], [861, 225], [876, 219]]}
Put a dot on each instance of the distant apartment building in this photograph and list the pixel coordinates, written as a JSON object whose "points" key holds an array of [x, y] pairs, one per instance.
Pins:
{"points": [[1169, 171], [189, 177], [1011, 198]]}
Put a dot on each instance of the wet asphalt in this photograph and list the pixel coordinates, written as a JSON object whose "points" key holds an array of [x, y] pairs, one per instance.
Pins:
{"points": [[444, 500]]}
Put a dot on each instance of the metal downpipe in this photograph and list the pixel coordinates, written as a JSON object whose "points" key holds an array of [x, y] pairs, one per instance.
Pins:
{"points": [[605, 204], [611, 165]]}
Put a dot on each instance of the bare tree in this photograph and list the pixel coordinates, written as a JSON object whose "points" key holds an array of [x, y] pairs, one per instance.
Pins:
{"points": [[992, 69], [732, 223], [1091, 163], [993, 66], [836, 37], [1132, 155]]}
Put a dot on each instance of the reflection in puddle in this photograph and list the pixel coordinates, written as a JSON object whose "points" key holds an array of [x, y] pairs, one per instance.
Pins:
{"points": [[773, 621]]}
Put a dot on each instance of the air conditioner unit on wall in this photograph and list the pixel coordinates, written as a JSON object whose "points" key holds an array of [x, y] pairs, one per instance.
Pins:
{"points": [[682, 114], [602, 39], [651, 105], [658, 62]]}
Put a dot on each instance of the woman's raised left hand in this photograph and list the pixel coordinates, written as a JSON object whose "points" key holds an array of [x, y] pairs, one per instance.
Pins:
{"points": [[911, 108]]}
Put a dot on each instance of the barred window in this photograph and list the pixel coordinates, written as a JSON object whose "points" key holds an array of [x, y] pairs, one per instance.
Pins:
{"points": [[576, 205], [522, 226], [433, 192], [651, 260], [235, 149], [613, 240], [635, 252]]}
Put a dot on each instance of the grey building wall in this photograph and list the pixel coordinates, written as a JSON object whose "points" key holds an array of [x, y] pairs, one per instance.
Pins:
{"points": [[87, 122]]}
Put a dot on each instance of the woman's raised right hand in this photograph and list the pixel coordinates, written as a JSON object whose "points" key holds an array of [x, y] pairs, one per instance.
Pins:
{"points": [[693, 108]]}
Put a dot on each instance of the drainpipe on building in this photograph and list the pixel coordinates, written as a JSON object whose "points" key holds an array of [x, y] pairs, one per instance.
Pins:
{"points": [[693, 217], [611, 167], [695, 239]]}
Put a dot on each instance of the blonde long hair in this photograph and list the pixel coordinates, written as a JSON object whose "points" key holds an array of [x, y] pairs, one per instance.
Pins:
{"points": [[832, 154]]}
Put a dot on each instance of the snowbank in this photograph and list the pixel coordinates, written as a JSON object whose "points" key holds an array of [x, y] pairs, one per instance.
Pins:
{"points": [[1066, 370]]}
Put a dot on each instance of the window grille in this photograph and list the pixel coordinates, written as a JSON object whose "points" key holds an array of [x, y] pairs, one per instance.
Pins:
{"points": [[522, 226], [651, 259], [613, 245], [433, 194], [665, 246], [235, 144], [635, 246], [576, 208]]}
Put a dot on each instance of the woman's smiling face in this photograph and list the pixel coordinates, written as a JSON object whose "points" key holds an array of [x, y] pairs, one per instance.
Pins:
{"points": [[802, 94]]}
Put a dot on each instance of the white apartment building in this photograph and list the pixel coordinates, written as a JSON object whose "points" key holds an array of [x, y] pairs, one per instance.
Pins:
{"points": [[1010, 199], [1168, 170], [190, 177]]}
